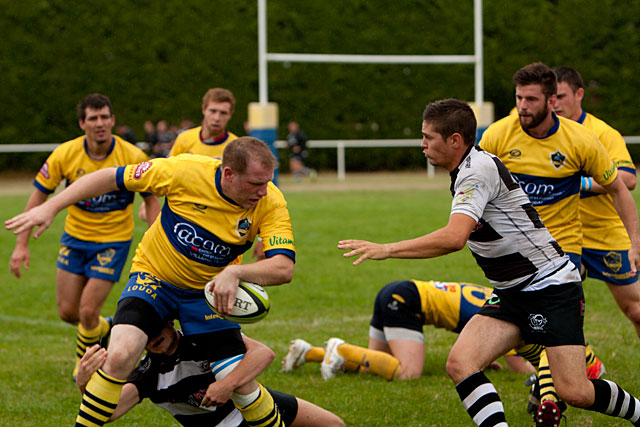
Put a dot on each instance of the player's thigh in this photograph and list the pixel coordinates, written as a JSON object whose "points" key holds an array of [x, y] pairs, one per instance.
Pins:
{"points": [[376, 344], [125, 348], [310, 415], [69, 288], [627, 296], [482, 341]]}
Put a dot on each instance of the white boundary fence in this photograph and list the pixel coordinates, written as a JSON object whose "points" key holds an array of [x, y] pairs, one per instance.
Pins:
{"points": [[338, 144]]}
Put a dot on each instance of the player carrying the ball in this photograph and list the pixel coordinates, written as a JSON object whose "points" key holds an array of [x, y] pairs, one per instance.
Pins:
{"points": [[212, 214]]}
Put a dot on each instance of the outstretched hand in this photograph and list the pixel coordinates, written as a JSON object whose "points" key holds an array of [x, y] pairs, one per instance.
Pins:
{"points": [[41, 217], [366, 250]]}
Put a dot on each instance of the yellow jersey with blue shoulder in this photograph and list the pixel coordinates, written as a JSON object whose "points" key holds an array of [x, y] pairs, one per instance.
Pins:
{"points": [[190, 141], [102, 219], [602, 227], [200, 231], [450, 305], [549, 169]]}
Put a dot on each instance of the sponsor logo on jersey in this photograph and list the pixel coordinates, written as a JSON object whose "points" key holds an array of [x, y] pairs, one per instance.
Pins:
{"points": [[613, 260], [140, 169], [465, 195], [188, 236], [198, 207], [80, 172], [515, 153], [242, 227], [609, 172], [277, 240], [537, 322], [557, 159], [106, 256], [44, 170], [493, 300]]}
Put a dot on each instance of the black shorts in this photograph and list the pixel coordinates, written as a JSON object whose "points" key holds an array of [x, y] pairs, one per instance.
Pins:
{"points": [[552, 316], [392, 312]]}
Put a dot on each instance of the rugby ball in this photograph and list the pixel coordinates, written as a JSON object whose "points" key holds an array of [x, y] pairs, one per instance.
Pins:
{"points": [[251, 304]]}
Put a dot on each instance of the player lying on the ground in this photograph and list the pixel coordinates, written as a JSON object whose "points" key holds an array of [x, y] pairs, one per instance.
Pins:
{"points": [[176, 375], [396, 341]]}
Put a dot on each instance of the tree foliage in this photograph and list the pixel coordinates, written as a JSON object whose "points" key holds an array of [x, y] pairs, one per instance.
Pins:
{"points": [[155, 60]]}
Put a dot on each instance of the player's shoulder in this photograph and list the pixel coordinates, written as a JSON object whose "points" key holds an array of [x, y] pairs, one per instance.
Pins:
{"points": [[599, 126], [190, 133], [129, 148]]}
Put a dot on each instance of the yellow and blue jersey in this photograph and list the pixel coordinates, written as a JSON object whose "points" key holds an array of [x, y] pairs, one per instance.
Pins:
{"points": [[105, 218], [200, 231], [602, 228], [190, 142], [450, 305], [549, 169]]}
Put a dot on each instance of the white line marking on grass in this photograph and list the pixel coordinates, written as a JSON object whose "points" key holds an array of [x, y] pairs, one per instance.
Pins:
{"points": [[35, 321]]}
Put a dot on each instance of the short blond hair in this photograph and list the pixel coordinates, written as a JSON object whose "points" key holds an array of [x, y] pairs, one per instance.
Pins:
{"points": [[239, 152], [219, 94]]}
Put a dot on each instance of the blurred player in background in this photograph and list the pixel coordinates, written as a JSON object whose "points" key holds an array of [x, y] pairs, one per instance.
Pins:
{"points": [[297, 141], [605, 243], [537, 296], [210, 138], [396, 342], [213, 212], [194, 395], [97, 232]]}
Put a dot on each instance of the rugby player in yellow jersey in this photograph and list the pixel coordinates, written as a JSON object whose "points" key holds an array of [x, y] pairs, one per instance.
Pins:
{"points": [[396, 342], [212, 136], [605, 243], [97, 232], [212, 214]]}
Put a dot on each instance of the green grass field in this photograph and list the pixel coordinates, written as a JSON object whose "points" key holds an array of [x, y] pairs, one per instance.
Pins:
{"points": [[327, 297]]}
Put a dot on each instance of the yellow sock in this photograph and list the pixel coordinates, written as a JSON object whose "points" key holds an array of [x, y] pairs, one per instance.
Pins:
{"points": [[547, 390], [589, 355], [316, 354], [531, 352], [378, 362], [88, 338], [262, 412], [99, 399]]}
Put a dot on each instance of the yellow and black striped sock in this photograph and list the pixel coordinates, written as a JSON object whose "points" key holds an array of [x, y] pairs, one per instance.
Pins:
{"points": [[531, 352], [263, 412], [87, 338], [589, 354], [547, 389], [377, 362], [315, 354], [99, 400]]}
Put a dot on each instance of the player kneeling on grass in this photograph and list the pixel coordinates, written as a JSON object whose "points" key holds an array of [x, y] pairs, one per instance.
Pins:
{"points": [[178, 374], [396, 341]]}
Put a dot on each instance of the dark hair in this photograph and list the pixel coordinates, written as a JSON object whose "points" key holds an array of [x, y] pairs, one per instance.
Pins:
{"points": [[95, 101], [537, 73], [449, 116], [239, 152], [218, 94], [570, 77]]}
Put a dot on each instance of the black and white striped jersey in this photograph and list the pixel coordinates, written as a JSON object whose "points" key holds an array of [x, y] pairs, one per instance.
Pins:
{"points": [[510, 243]]}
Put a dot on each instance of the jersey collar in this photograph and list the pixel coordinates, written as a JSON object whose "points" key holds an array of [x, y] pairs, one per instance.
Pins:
{"points": [[582, 117], [215, 141], [86, 150]]}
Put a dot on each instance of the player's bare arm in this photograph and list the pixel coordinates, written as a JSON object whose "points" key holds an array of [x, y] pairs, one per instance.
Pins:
{"points": [[41, 216], [628, 178], [20, 253], [151, 209], [276, 270], [255, 361], [450, 238]]}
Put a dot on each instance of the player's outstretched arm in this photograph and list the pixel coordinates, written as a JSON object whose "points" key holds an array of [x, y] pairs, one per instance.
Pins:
{"points": [[41, 216], [20, 253], [255, 361], [449, 239], [151, 209]]}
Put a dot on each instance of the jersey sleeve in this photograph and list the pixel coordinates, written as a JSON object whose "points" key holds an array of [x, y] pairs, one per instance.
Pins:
{"points": [[617, 149], [472, 193], [152, 176], [597, 162], [275, 230], [50, 174]]}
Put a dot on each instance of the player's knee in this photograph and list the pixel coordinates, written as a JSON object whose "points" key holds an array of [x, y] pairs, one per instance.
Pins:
{"points": [[68, 314], [409, 372], [578, 395], [456, 368], [89, 314]]}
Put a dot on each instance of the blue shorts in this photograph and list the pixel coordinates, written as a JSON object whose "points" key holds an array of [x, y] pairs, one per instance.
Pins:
{"points": [[92, 259], [608, 266], [170, 302]]}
